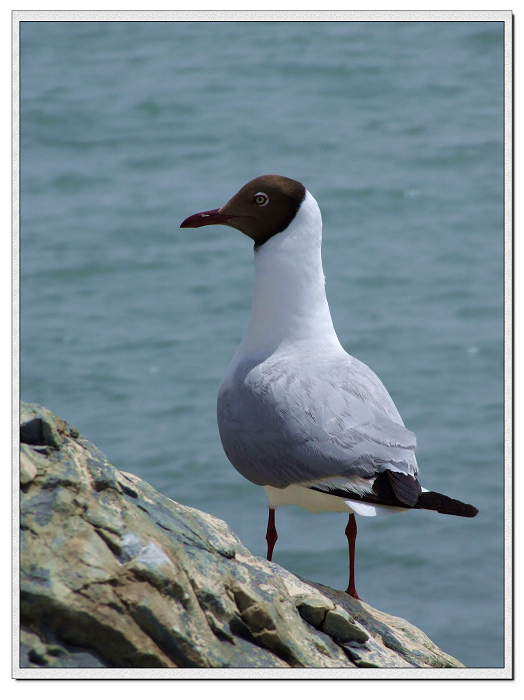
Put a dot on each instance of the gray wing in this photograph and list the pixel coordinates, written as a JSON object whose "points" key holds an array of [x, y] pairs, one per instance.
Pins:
{"points": [[283, 423]]}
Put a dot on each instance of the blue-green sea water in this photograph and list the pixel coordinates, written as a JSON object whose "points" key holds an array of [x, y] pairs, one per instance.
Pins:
{"points": [[128, 322]]}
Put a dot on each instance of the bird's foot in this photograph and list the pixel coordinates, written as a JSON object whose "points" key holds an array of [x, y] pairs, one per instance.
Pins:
{"points": [[353, 593]]}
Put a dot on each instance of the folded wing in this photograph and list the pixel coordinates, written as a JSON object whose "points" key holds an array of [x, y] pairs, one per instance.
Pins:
{"points": [[333, 419]]}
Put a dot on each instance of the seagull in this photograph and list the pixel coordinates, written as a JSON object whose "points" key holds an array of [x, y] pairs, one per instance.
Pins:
{"points": [[296, 413]]}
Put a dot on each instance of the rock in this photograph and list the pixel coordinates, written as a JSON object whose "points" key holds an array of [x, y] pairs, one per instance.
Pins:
{"points": [[114, 574], [341, 626]]}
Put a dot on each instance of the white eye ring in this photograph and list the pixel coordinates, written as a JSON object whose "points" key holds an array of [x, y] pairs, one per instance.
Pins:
{"points": [[261, 199]]}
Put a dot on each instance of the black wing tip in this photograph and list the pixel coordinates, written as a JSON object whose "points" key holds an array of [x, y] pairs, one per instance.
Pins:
{"points": [[470, 511], [404, 491], [406, 488], [431, 500]]}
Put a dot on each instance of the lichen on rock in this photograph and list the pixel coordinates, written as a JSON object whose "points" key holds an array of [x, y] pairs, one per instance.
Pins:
{"points": [[115, 575]]}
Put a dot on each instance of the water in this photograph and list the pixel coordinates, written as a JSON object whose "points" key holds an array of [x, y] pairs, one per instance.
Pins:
{"points": [[128, 322]]}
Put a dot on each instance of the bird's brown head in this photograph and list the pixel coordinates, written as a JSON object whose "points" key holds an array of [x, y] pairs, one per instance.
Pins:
{"points": [[261, 209]]}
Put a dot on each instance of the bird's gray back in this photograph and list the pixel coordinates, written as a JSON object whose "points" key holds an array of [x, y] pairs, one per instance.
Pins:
{"points": [[285, 420]]}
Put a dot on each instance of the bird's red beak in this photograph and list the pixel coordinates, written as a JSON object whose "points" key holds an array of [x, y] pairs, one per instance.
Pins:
{"points": [[206, 218]]}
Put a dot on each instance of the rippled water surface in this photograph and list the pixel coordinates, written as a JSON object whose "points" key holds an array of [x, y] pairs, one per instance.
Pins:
{"points": [[128, 322]]}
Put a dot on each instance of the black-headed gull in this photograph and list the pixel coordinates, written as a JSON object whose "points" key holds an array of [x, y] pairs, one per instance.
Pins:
{"points": [[296, 414]]}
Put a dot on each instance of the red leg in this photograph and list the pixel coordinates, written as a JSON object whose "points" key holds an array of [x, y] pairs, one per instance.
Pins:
{"points": [[351, 534], [271, 534]]}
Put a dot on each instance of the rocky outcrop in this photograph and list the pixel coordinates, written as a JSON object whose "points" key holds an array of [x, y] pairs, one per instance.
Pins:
{"points": [[113, 574]]}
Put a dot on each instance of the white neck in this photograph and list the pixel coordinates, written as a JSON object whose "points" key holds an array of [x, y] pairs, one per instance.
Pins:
{"points": [[289, 300]]}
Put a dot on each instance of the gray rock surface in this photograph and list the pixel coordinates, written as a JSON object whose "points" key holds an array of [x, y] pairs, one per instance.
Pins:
{"points": [[113, 574]]}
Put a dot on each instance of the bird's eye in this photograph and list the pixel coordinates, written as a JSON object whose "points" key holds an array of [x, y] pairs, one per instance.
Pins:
{"points": [[261, 199]]}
